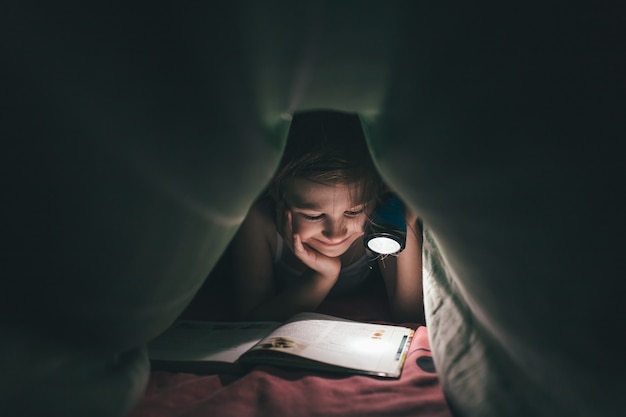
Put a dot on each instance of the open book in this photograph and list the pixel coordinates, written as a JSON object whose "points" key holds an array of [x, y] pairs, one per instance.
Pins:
{"points": [[307, 340]]}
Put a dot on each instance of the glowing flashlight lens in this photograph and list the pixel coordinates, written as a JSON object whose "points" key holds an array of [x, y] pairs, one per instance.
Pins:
{"points": [[383, 245]]}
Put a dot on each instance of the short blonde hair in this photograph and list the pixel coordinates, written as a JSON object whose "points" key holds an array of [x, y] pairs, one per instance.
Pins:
{"points": [[329, 147]]}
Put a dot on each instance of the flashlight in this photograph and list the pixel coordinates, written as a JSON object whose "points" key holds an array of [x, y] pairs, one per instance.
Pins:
{"points": [[385, 234]]}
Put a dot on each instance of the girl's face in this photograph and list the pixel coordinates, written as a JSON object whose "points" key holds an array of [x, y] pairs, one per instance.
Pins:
{"points": [[325, 216]]}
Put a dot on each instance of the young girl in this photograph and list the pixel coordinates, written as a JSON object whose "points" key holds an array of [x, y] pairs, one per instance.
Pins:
{"points": [[303, 239]]}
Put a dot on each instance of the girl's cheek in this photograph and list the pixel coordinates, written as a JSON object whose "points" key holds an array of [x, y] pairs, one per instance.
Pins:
{"points": [[359, 224], [296, 226], [300, 226]]}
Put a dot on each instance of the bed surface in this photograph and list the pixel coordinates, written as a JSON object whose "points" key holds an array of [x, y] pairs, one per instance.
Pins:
{"points": [[273, 391]]}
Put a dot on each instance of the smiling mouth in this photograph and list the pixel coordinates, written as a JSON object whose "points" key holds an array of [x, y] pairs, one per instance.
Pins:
{"points": [[333, 244]]}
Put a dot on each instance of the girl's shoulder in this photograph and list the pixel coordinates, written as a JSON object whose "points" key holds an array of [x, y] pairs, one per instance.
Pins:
{"points": [[261, 219], [263, 211]]}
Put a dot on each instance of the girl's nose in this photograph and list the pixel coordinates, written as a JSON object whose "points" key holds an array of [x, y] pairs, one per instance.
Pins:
{"points": [[334, 229]]}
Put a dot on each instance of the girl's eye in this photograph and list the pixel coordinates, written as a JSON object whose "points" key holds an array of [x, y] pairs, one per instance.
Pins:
{"points": [[353, 213], [311, 218]]}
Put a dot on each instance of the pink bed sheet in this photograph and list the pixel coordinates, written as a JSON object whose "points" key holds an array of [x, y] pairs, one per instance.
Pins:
{"points": [[272, 391]]}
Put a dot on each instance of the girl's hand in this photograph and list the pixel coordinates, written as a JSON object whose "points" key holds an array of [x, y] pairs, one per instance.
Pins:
{"points": [[322, 264], [326, 266]]}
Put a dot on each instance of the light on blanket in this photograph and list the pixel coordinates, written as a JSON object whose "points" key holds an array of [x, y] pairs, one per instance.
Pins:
{"points": [[386, 233]]}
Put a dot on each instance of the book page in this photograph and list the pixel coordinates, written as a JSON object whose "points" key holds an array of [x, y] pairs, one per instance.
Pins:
{"points": [[189, 340], [375, 348]]}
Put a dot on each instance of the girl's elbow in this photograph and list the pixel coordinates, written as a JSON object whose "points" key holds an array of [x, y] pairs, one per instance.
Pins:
{"points": [[413, 313]]}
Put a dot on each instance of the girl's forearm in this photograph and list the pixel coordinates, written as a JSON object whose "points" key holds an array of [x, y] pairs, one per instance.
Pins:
{"points": [[403, 280], [305, 295]]}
